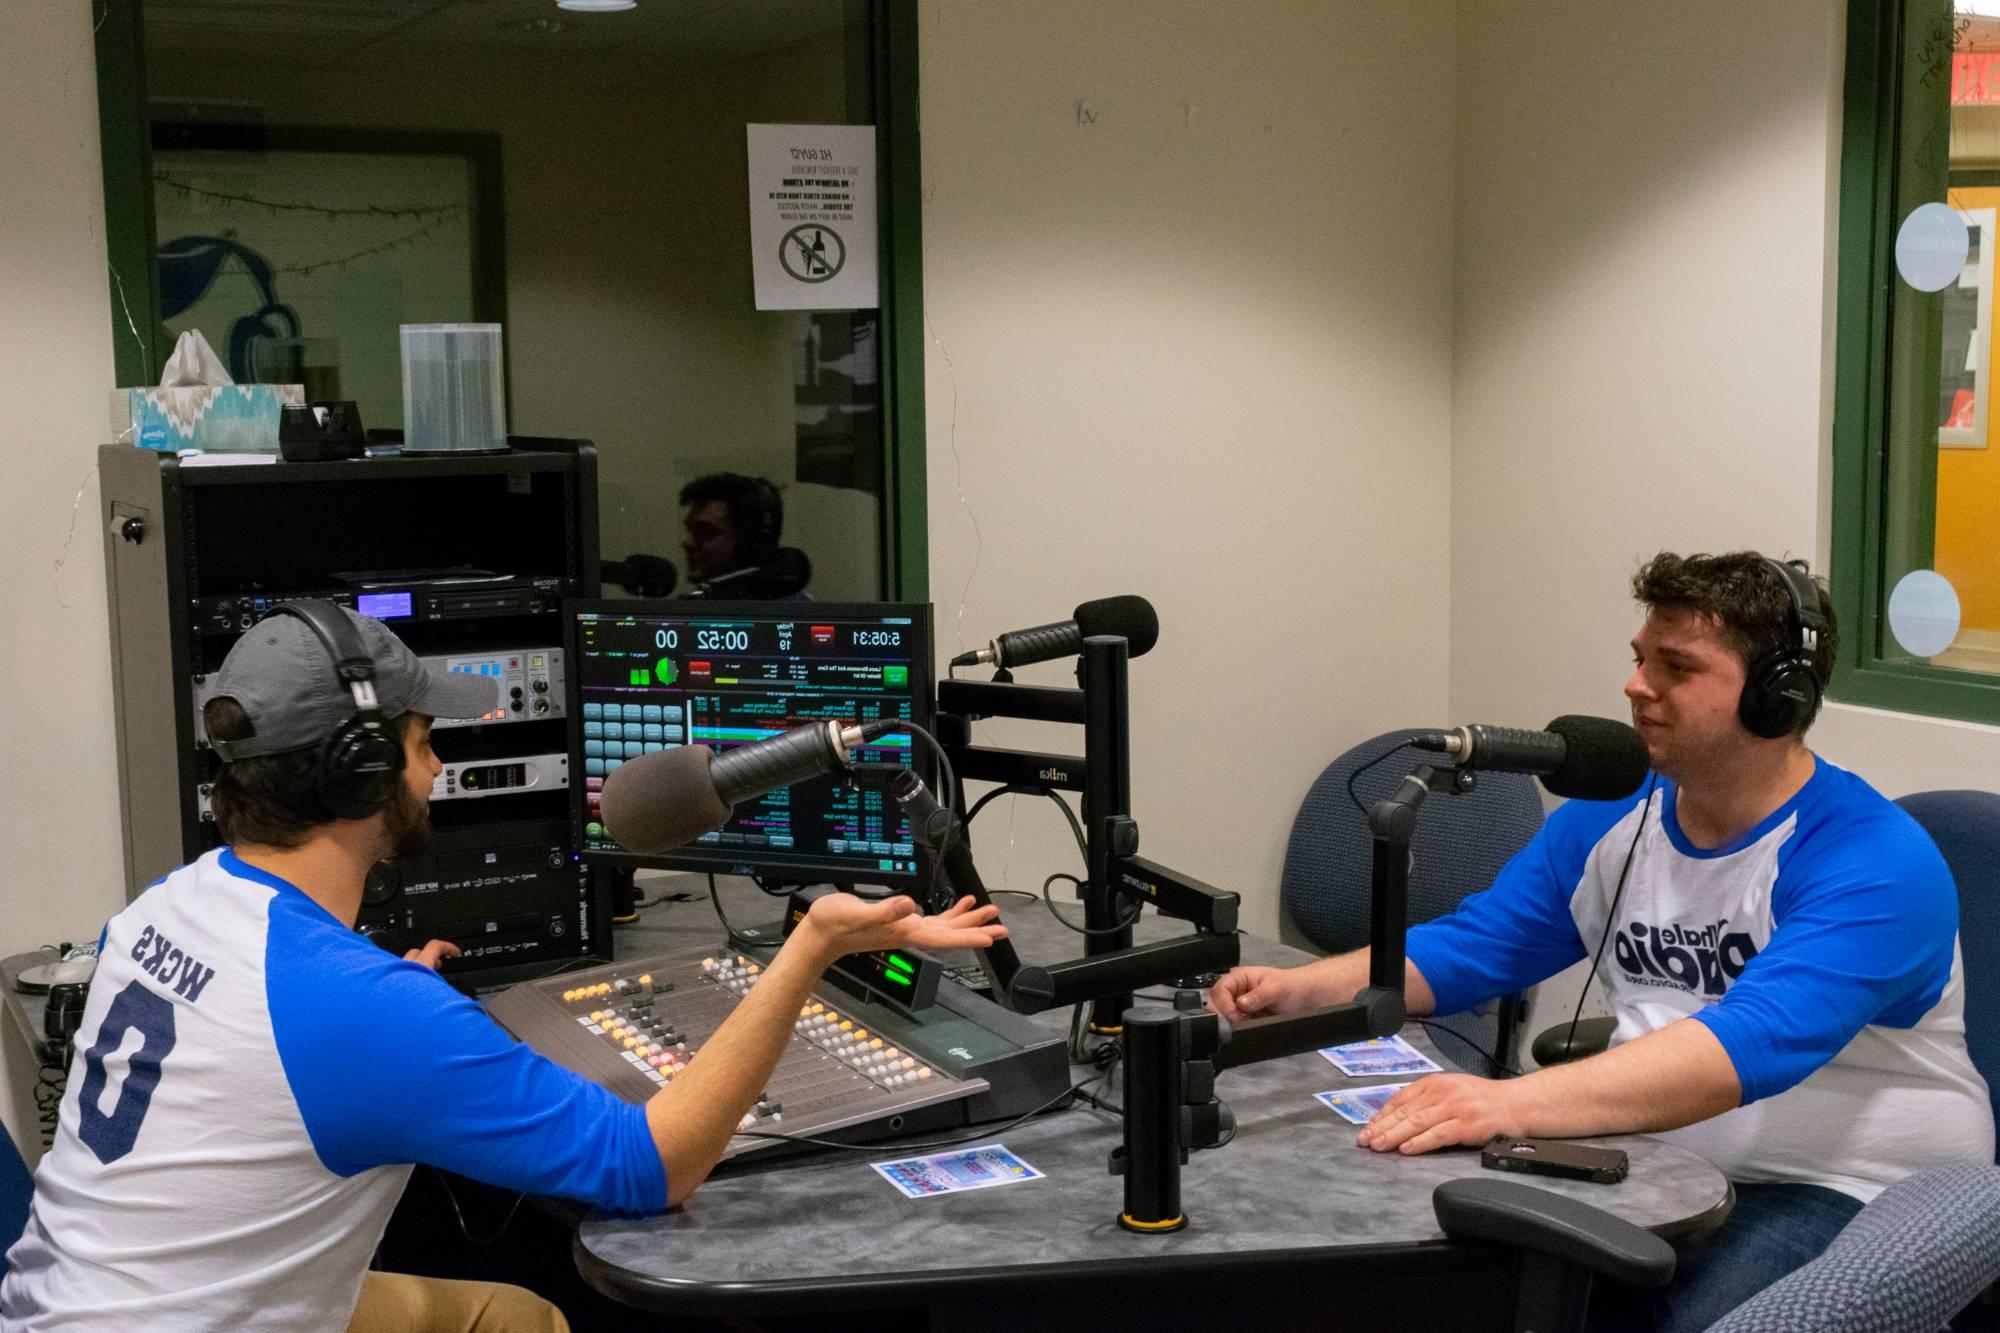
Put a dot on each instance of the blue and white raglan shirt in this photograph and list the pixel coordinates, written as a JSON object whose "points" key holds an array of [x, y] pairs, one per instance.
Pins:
{"points": [[251, 1084], [1820, 947]]}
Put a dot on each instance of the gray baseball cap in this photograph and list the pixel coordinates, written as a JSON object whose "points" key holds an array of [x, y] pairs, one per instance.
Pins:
{"points": [[283, 678]]}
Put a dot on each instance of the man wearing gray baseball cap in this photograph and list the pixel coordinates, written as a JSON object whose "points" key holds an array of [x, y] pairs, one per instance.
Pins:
{"points": [[257, 1080]]}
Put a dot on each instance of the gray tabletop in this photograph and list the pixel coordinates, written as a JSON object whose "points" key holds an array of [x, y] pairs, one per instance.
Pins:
{"points": [[1291, 1185]]}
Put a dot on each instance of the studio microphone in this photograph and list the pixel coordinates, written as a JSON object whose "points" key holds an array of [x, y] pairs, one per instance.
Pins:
{"points": [[669, 798], [641, 575], [943, 836], [1588, 758], [1128, 617]]}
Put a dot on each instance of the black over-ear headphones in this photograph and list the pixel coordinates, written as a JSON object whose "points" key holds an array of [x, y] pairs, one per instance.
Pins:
{"points": [[361, 763], [767, 519], [1783, 689]]}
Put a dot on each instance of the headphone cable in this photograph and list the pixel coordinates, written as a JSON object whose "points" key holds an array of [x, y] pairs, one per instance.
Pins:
{"points": [[1610, 917]]}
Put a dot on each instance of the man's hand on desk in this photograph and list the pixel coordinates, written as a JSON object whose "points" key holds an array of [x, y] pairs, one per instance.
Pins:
{"points": [[1662, 1080], [1261, 992], [1444, 1110], [1270, 992]]}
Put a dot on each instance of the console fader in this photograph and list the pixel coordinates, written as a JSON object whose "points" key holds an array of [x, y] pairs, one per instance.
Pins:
{"points": [[854, 1068]]}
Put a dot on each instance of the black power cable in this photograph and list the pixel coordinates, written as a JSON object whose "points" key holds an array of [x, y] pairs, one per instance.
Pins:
{"points": [[1611, 916], [988, 1132]]}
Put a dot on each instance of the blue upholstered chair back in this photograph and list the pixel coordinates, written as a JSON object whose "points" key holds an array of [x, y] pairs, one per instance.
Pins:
{"points": [[1907, 1262], [16, 1188], [1461, 843], [1965, 825]]}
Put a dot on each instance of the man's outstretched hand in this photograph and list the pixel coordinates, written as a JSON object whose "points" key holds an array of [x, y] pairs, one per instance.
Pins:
{"points": [[845, 924]]}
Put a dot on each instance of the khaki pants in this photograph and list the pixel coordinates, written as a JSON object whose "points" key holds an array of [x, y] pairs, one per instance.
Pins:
{"points": [[398, 1303]]}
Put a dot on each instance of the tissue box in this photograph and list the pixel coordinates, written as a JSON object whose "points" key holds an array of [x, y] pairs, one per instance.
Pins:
{"points": [[228, 418]]}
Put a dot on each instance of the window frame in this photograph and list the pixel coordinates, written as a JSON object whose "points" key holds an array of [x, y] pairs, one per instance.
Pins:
{"points": [[1887, 45], [125, 131]]}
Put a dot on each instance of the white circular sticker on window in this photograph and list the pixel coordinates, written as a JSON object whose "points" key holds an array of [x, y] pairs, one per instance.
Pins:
{"points": [[1923, 613], [1932, 246]]}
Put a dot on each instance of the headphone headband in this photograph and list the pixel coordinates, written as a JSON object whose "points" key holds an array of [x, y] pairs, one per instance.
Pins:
{"points": [[1808, 614]]}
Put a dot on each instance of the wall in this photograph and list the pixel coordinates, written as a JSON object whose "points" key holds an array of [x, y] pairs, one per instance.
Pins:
{"points": [[1643, 342], [1188, 288], [59, 818]]}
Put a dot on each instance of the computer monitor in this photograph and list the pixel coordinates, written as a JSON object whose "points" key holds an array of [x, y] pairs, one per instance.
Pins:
{"points": [[645, 675]]}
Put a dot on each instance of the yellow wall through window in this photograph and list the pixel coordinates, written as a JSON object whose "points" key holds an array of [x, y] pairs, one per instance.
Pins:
{"points": [[1968, 491]]}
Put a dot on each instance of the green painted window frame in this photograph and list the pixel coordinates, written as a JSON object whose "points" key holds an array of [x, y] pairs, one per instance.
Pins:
{"points": [[1886, 351], [139, 344]]}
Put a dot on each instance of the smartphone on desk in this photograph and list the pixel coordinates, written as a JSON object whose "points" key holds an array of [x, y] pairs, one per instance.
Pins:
{"points": [[1555, 1157]]}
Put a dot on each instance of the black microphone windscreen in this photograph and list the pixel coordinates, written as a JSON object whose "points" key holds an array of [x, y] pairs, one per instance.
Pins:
{"points": [[1130, 618], [662, 800], [1603, 760], [644, 575]]}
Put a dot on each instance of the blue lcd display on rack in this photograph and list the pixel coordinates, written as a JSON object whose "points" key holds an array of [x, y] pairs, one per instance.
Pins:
{"points": [[384, 605]]}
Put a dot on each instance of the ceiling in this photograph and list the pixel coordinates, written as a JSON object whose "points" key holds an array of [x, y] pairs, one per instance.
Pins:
{"points": [[325, 32]]}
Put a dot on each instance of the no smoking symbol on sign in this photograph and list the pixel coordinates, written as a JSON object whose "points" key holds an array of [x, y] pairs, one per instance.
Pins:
{"points": [[812, 253]]}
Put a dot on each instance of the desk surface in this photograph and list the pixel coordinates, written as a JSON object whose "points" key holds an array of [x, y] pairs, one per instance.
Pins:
{"points": [[27, 1010], [1291, 1188]]}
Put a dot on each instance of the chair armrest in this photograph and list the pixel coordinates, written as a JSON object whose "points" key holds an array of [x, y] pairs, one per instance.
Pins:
{"points": [[1523, 1217], [1554, 1046]]}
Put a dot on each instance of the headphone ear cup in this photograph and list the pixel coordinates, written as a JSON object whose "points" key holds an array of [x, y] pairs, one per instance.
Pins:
{"points": [[1778, 697], [359, 770]]}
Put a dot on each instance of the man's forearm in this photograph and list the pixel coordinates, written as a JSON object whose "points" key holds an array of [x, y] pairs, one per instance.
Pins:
{"points": [[693, 1117], [1338, 979], [1663, 1080]]}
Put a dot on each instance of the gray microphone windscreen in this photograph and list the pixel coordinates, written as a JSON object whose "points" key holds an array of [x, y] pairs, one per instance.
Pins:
{"points": [[662, 800], [1129, 617], [1603, 760]]}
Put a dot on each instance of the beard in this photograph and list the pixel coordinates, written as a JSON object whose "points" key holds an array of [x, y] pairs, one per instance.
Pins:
{"points": [[407, 823]]}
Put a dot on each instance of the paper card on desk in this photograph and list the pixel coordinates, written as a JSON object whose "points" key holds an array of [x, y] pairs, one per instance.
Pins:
{"points": [[946, 1172], [1358, 1106], [1382, 1055]]}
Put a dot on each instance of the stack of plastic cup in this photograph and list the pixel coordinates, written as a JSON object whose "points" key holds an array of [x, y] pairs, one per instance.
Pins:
{"points": [[454, 389]]}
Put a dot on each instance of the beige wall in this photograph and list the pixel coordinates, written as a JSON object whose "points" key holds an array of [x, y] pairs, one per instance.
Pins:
{"points": [[1198, 349], [59, 812]]}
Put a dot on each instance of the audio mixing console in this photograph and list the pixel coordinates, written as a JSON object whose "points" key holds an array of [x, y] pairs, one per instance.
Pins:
{"points": [[855, 1068]]}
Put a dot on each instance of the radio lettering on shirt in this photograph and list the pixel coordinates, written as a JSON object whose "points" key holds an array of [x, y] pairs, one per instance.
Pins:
{"points": [[1701, 961]]}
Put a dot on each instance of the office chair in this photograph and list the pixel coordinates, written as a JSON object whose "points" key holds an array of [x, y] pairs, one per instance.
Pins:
{"points": [[17, 1187], [1560, 1245], [1965, 825], [1460, 845], [1907, 1263]]}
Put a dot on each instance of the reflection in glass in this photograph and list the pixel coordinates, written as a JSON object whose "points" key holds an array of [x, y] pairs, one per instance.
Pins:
{"points": [[621, 273]]}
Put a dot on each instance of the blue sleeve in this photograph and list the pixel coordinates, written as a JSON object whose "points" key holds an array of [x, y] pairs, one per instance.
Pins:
{"points": [[1520, 930], [1864, 931], [390, 1065]]}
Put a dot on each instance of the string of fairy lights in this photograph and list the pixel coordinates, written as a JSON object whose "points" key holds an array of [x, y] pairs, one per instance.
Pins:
{"points": [[430, 219]]}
